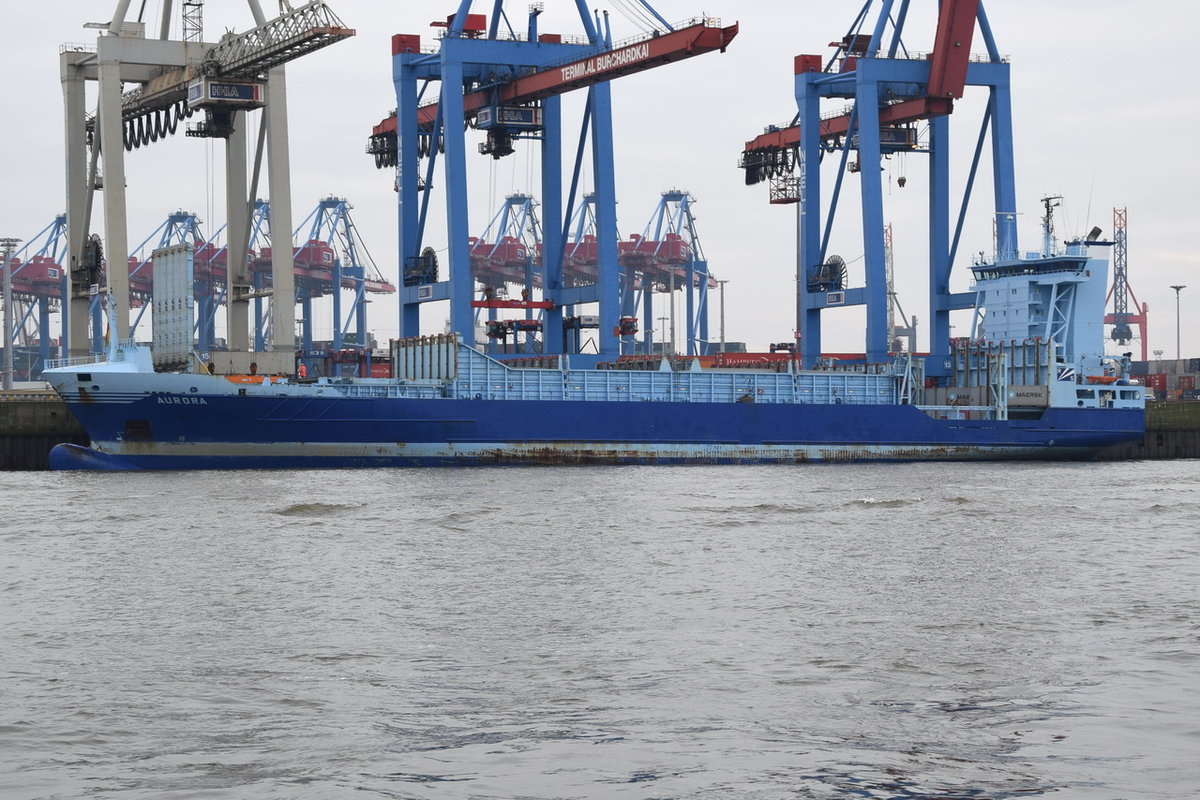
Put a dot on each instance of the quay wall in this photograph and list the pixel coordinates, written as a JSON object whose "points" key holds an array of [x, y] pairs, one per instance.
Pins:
{"points": [[32, 422]]}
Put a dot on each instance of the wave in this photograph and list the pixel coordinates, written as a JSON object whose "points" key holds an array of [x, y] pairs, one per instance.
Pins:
{"points": [[897, 502], [314, 509]]}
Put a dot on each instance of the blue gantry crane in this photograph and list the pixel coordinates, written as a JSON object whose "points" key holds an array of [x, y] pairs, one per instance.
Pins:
{"points": [[889, 89], [331, 260], [508, 254], [509, 84], [334, 255], [38, 286], [667, 257], [210, 268]]}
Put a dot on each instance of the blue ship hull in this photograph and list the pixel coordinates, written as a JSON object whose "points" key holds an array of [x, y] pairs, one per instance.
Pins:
{"points": [[452, 405], [221, 431]]}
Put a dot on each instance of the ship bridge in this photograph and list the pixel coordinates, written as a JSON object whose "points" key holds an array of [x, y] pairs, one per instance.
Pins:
{"points": [[1061, 265]]}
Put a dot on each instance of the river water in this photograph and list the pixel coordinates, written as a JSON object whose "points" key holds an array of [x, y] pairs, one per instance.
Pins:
{"points": [[840, 631]]}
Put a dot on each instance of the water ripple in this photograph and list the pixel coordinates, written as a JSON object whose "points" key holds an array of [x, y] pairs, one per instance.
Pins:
{"points": [[867, 631]]}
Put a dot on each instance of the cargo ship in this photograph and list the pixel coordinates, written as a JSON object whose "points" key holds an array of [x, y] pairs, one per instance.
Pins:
{"points": [[1032, 382]]}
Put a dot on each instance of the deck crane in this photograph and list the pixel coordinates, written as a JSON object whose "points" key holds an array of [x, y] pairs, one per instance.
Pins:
{"points": [[510, 86], [1121, 292], [174, 79], [890, 89]]}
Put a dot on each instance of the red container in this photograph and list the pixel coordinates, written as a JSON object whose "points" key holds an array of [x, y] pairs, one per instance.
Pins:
{"points": [[1187, 382], [405, 43], [807, 64], [1157, 381]]}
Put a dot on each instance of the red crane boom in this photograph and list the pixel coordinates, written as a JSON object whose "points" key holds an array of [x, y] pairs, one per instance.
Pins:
{"points": [[947, 80], [652, 51]]}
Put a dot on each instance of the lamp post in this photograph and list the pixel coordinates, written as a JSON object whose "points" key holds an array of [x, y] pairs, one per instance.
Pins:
{"points": [[1177, 347], [6, 245]]}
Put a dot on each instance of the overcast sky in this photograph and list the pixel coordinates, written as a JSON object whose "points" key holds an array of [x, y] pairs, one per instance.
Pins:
{"points": [[1104, 100]]}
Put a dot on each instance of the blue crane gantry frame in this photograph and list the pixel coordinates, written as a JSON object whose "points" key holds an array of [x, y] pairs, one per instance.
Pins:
{"points": [[516, 221], [513, 86], [331, 223], [666, 257], [50, 242], [673, 216], [182, 227], [890, 89]]}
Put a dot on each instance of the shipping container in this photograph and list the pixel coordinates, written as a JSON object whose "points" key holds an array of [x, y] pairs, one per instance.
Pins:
{"points": [[1187, 382], [1031, 396], [1157, 382]]}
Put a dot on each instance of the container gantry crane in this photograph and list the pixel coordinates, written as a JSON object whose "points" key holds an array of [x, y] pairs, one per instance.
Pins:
{"points": [[331, 260], [335, 258], [665, 258], [890, 89], [210, 272], [508, 253], [175, 79], [510, 86], [38, 284]]}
